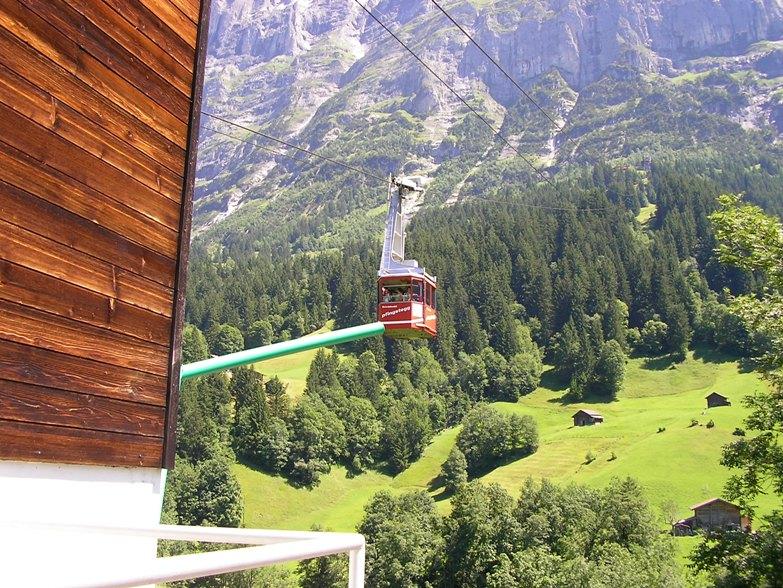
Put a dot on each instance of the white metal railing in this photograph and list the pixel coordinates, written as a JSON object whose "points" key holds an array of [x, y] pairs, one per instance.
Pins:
{"points": [[267, 547]]}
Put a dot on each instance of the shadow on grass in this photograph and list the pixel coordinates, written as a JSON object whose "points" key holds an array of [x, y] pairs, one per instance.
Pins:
{"points": [[385, 468], [309, 484], [438, 483], [747, 365], [664, 362], [712, 355], [550, 379], [568, 398], [257, 468], [442, 495], [435, 483], [503, 461], [279, 475]]}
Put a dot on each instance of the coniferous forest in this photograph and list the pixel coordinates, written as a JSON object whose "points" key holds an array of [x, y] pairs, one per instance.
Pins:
{"points": [[565, 276]]}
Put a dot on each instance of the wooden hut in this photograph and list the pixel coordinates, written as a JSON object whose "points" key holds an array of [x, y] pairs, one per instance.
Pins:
{"points": [[710, 515], [584, 417], [715, 399], [716, 513]]}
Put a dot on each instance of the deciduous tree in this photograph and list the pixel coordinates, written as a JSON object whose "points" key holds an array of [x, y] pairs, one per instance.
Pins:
{"points": [[454, 471]]}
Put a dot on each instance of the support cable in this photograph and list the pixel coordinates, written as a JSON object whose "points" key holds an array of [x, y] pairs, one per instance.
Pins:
{"points": [[292, 146], [557, 125], [262, 147], [495, 131], [468, 199]]}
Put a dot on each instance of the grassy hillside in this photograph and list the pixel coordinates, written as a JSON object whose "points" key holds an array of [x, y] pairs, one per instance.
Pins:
{"points": [[338, 501], [292, 369], [646, 213], [680, 463]]}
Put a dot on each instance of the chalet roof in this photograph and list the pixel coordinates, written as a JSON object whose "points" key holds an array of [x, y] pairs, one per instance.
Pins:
{"points": [[717, 394], [711, 500], [592, 413]]}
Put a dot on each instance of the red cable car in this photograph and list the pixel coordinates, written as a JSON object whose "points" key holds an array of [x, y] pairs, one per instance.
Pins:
{"points": [[407, 299]]}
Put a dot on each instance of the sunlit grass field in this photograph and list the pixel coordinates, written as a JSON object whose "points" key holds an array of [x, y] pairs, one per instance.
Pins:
{"points": [[680, 463], [646, 213], [292, 369]]}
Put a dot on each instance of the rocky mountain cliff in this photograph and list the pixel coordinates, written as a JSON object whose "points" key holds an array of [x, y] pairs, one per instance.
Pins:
{"points": [[624, 79]]}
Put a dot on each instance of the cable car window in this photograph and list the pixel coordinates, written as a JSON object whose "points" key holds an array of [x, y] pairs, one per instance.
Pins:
{"points": [[399, 293], [417, 294]]}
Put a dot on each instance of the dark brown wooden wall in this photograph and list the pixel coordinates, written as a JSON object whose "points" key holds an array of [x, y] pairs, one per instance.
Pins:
{"points": [[99, 105]]}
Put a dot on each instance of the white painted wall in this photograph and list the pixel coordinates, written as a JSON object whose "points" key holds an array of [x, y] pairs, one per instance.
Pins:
{"points": [[73, 494]]}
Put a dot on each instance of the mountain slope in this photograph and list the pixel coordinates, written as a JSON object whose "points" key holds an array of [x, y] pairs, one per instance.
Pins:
{"points": [[623, 80], [679, 464]]}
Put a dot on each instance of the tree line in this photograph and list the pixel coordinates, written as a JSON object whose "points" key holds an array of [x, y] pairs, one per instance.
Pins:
{"points": [[518, 286], [550, 536], [353, 412], [590, 283]]}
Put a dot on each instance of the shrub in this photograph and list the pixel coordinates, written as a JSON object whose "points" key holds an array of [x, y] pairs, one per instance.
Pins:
{"points": [[694, 423], [488, 436], [739, 432], [710, 424], [661, 429], [654, 335], [308, 473], [589, 457], [454, 471], [612, 457]]}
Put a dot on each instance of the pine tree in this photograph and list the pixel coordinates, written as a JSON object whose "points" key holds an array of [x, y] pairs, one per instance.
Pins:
{"points": [[323, 372], [445, 343], [197, 435], [679, 331], [368, 377], [474, 339], [194, 345], [277, 398], [251, 413]]}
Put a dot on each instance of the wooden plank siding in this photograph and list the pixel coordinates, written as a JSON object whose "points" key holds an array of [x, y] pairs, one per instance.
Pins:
{"points": [[99, 104]]}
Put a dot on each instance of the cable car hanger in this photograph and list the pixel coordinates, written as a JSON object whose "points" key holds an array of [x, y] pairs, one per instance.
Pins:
{"points": [[407, 303]]}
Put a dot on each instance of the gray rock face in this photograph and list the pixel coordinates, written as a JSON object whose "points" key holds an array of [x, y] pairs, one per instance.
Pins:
{"points": [[582, 38], [318, 72]]}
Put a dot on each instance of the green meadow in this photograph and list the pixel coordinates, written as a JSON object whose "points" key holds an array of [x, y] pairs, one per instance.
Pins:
{"points": [[646, 213], [292, 369], [680, 463]]}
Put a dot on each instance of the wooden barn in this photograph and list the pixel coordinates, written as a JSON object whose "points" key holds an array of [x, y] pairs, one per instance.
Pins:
{"points": [[584, 417], [715, 399], [99, 113], [712, 514]]}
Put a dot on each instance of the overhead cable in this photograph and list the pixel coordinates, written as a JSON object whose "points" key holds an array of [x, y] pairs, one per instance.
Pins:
{"points": [[468, 199], [495, 131], [264, 148], [557, 125], [296, 147], [538, 206]]}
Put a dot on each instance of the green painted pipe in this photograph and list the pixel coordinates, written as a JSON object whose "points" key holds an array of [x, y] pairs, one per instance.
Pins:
{"points": [[225, 362]]}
